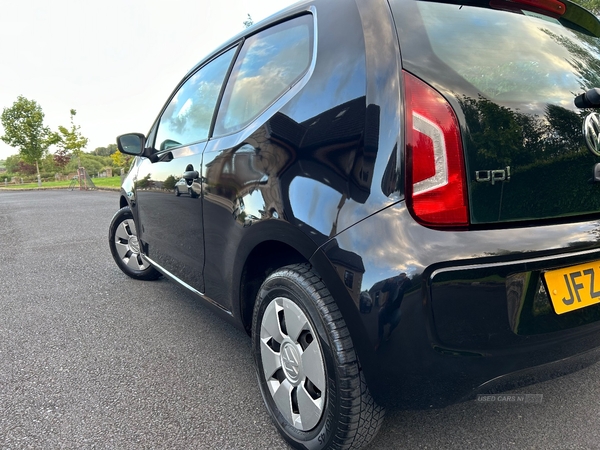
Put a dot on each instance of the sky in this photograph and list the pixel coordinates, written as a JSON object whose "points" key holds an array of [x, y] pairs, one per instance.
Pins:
{"points": [[114, 61]]}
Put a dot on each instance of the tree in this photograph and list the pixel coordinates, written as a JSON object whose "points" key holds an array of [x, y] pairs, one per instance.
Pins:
{"points": [[120, 160], [12, 163], [93, 164], [26, 169], [248, 22], [143, 183], [24, 129], [61, 158], [105, 151], [71, 141], [592, 5], [169, 183], [49, 166]]}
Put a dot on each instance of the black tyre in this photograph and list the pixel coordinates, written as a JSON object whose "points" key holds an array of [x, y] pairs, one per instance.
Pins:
{"points": [[307, 368], [125, 247]]}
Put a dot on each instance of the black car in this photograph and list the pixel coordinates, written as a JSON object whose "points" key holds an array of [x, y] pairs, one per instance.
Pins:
{"points": [[398, 200]]}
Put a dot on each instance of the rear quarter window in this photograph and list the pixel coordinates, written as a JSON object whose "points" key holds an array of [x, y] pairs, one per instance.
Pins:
{"points": [[269, 63]]}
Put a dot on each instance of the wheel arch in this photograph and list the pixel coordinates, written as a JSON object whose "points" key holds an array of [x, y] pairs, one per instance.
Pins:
{"points": [[286, 247], [263, 259], [123, 201]]}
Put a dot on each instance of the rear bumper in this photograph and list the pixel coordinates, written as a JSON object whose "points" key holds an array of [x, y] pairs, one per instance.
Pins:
{"points": [[537, 374], [438, 316], [483, 328], [416, 371]]}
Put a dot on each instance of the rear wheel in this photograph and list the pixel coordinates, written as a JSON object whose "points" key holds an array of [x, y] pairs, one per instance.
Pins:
{"points": [[307, 368], [125, 247]]}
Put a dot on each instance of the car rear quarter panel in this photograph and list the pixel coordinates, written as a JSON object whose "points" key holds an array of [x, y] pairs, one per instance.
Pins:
{"points": [[328, 150]]}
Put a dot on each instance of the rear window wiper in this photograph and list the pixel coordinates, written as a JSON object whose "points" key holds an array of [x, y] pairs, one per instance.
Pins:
{"points": [[589, 99]]}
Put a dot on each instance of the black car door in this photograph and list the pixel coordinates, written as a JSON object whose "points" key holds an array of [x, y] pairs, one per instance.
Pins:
{"points": [[168, 185]]}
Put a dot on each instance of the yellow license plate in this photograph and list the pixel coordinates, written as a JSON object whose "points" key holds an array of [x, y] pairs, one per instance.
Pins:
{"points": [[574, 287]]}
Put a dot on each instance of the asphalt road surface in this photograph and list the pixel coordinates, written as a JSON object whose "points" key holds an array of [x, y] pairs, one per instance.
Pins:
{"points": [[90, 358]]}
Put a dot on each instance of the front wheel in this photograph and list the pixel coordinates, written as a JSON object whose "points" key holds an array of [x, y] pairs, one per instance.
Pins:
{"points": [[307, 368], [125, 247]]}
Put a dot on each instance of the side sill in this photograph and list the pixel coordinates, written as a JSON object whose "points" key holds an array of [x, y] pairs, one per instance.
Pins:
{"points": [[172, 277]]}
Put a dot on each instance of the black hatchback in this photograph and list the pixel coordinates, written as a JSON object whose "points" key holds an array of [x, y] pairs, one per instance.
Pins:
{"points": [[398, 200]]}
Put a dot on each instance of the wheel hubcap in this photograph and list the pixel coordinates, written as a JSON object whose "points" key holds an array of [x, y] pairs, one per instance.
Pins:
{"points": [[128, 246], [292, 362], [134, 245]]}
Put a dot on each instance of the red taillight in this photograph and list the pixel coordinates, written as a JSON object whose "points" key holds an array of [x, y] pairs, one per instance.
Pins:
{"points": [[436, 182]]}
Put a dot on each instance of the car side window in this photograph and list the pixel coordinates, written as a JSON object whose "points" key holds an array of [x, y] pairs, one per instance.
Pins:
{"points": [[269, 63], [188, 116]]}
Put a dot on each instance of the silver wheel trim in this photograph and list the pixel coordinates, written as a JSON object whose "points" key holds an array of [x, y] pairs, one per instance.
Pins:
{"points": [[128, 247], [293, 365]]}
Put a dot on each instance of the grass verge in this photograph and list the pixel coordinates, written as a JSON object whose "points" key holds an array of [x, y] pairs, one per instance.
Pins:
{"points": [[105, 183]]}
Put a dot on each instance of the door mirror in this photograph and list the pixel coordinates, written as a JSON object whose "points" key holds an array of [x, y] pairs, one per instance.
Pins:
{"points": [[131, 143]]}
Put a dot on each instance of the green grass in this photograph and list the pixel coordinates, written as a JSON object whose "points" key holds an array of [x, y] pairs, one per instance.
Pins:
{"points": [[111, 183]]}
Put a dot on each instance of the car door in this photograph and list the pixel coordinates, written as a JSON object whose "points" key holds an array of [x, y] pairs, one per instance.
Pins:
{"points": [[168, 185]]}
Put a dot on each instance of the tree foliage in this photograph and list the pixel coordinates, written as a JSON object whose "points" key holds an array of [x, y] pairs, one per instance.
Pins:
{"points": [[144, 183], [592, 5], [71, 140], [105, 151], [61, 158], [24, 130], [249, 22], [12, 163], [169, 182], [120, 160], [93, 164]]}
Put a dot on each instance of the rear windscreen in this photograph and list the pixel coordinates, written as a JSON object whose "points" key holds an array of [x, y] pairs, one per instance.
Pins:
{"points": [[512, 56]]}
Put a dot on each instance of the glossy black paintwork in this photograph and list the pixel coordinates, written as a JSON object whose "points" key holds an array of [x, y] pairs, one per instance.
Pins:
{"points": [[461, 295], [168, 220], [318, 177], [309, 143]]}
